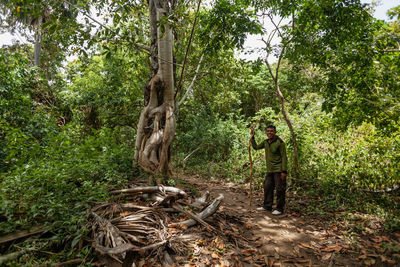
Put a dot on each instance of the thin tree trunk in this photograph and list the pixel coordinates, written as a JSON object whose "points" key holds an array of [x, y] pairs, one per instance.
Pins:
{"points": [[38, 41], [285, 115], [290, 125], [275, 78]]}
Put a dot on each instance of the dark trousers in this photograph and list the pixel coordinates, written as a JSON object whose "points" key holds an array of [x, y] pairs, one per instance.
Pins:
{"points": [[274, 181]]}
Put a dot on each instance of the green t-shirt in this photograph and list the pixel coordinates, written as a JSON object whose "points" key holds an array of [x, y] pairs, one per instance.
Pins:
{"points": [[275, 154]]}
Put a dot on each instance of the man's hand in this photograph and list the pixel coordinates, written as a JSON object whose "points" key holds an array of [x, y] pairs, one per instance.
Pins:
{"points": [[283, 176]]}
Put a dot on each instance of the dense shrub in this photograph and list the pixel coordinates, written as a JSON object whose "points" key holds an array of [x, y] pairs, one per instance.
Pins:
{"points": [[49, 173], [58, 186]]}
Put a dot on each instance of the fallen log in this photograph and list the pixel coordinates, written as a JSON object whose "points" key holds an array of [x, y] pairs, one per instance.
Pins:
{"points": [[194, 217], [13, 256], [201, 201], [150, 189], [210, 210], [21, 234]]}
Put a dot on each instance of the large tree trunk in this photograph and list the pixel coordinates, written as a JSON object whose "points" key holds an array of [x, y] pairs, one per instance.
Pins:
{"points": [[157, 125]]}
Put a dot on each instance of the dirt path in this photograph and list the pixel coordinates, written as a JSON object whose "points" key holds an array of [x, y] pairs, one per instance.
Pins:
{"points": [[290, 239]]}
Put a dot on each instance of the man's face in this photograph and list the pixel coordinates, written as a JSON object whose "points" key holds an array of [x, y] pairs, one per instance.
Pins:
{"points": [[271, 133]]}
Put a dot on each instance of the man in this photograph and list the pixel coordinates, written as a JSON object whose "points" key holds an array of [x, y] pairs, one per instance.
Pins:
{"points": [[276, 160]]}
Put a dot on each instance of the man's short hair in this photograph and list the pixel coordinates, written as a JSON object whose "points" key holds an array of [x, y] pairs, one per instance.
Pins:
{"points": [[271, 127]]}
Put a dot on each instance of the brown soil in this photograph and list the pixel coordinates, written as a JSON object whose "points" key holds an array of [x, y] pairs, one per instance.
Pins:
{"points": [[258, 238]]}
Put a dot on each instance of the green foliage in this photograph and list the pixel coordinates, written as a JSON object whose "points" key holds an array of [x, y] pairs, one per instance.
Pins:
{"points": [[57, 187], [49, 174], [106, 91], [23, 121], [229, 22], [359, 158]]}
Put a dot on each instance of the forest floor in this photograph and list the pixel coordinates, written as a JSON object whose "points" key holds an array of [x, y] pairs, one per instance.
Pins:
{"points": [[290, 239]]}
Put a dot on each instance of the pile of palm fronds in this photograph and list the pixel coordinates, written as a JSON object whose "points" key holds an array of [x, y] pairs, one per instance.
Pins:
{"points": [[147, 224]]}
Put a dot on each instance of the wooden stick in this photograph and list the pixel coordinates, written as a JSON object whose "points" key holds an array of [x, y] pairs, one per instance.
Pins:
{"points": [[194, 217], [75, 261], [251, 169], [191, 153], [211, 209]]}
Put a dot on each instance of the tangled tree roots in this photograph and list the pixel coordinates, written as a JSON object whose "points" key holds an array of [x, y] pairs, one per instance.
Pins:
{"points": [[147, 227]]}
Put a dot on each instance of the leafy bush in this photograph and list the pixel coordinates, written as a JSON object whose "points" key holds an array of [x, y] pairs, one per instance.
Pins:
{"points": [[58, 186]]}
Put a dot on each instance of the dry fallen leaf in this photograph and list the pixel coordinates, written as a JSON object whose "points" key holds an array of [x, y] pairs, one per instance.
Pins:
{"points": [[378, 247], [206, 251], [305, 245], [214, 255], [297, 250], [315, 244], [384, 259], [376, 239], [249, 258], [265, 259], [221, 245], [369, 262], [326, 256], [303, 261], [271, 263], [362, 257], [332, 248], [330, 232], [248, 251], [289, 261]]}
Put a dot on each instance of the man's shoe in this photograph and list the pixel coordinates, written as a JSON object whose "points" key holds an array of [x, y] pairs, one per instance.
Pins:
{"points": [[264, 209], [277, 212]]}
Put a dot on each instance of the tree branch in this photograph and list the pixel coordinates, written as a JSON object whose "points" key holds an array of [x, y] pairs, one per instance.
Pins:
{"points": [[187, 50], [190, 88]]}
